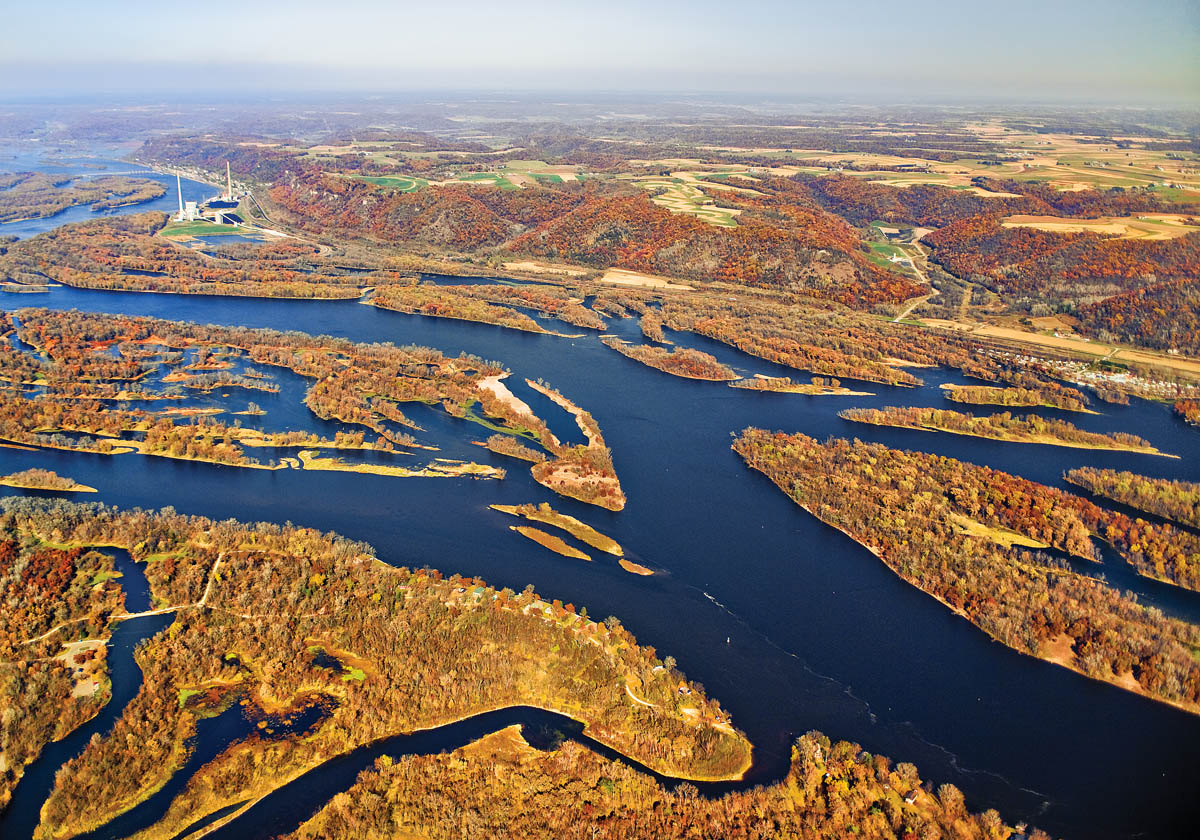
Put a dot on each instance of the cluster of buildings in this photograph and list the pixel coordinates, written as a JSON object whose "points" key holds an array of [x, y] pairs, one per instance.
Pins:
{"points": [[219, 210]]}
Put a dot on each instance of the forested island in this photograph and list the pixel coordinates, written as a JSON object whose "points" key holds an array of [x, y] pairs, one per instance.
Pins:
{"points": [[681, 361], [931, 518], [817, 386], [1026, 429], [440, 303], [124, 253], [36, 479], [51, 680], [250, 605], [1045, 396], [1178, 501], [36, 195], [490, 304]]}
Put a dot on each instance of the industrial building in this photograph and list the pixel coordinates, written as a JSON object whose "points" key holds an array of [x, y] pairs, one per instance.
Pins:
{"points": [[216, 210]]}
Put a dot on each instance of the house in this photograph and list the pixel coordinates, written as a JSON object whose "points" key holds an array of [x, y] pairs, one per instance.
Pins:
{"points": [[912, 796]]}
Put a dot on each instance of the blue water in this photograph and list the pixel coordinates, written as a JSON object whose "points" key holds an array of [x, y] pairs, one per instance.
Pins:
{"points": [[285, 809], [820, 634], [213, 734], [95, 167], [218, 240]]}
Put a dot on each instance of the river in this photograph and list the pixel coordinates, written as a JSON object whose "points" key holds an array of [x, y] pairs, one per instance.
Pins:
{"points": [[789, 623], [98, 163]]}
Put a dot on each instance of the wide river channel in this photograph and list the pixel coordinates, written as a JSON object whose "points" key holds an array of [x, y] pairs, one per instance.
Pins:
{"points": [[789, 623]]}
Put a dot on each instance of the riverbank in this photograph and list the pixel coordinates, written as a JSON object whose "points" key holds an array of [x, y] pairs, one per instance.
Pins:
{"points": [[311, 460], [580, 530], [1002, 427], [784, 385], [549, 541], [582, 473], [35, 479], [681, 361], [853, 482]]}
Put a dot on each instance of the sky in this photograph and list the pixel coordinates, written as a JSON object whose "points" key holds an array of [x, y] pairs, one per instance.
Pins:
{"points": [[909, 50]]}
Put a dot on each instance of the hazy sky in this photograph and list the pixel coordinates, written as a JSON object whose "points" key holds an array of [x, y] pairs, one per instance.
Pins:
{"points": [[1096, 49]]}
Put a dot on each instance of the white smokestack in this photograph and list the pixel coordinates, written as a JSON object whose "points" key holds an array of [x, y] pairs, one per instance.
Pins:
{"points": [[228, 183], [179, 192]]}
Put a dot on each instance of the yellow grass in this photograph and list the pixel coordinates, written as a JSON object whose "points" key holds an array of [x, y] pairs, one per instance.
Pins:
{"points": [[508, 745], [549, 541], [624, 277], [1150, 226], [580, 530], [634, 568], [310, 460], [1001, 536], [75, 486], [545, 268]]}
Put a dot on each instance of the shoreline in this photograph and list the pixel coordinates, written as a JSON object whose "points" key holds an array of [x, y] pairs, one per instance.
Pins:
{"points": [[75, 488], [211, 294], [311, 461], [550, 542], [640, 765], [950, 388], [798, 388], [1052, 442], [580, 530], [1117, 682], [539, 331]]}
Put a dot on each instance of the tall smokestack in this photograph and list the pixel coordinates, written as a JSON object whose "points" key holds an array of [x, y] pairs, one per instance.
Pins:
{"points": [[179, 192], [228, 183]]}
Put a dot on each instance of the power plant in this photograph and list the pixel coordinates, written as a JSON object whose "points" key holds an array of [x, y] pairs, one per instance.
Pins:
{"points": [[216, 210], [188, 212]]}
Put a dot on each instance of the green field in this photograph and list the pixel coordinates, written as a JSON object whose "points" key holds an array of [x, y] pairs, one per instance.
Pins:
{"points": [[204, 229], [1180, 196], [882, 253], [401, 183]]}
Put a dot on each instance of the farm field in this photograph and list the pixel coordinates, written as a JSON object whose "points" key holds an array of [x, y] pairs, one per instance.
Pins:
{"points": [[1154, 226], [1068, 162], [685, 192], [184, 230]]}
